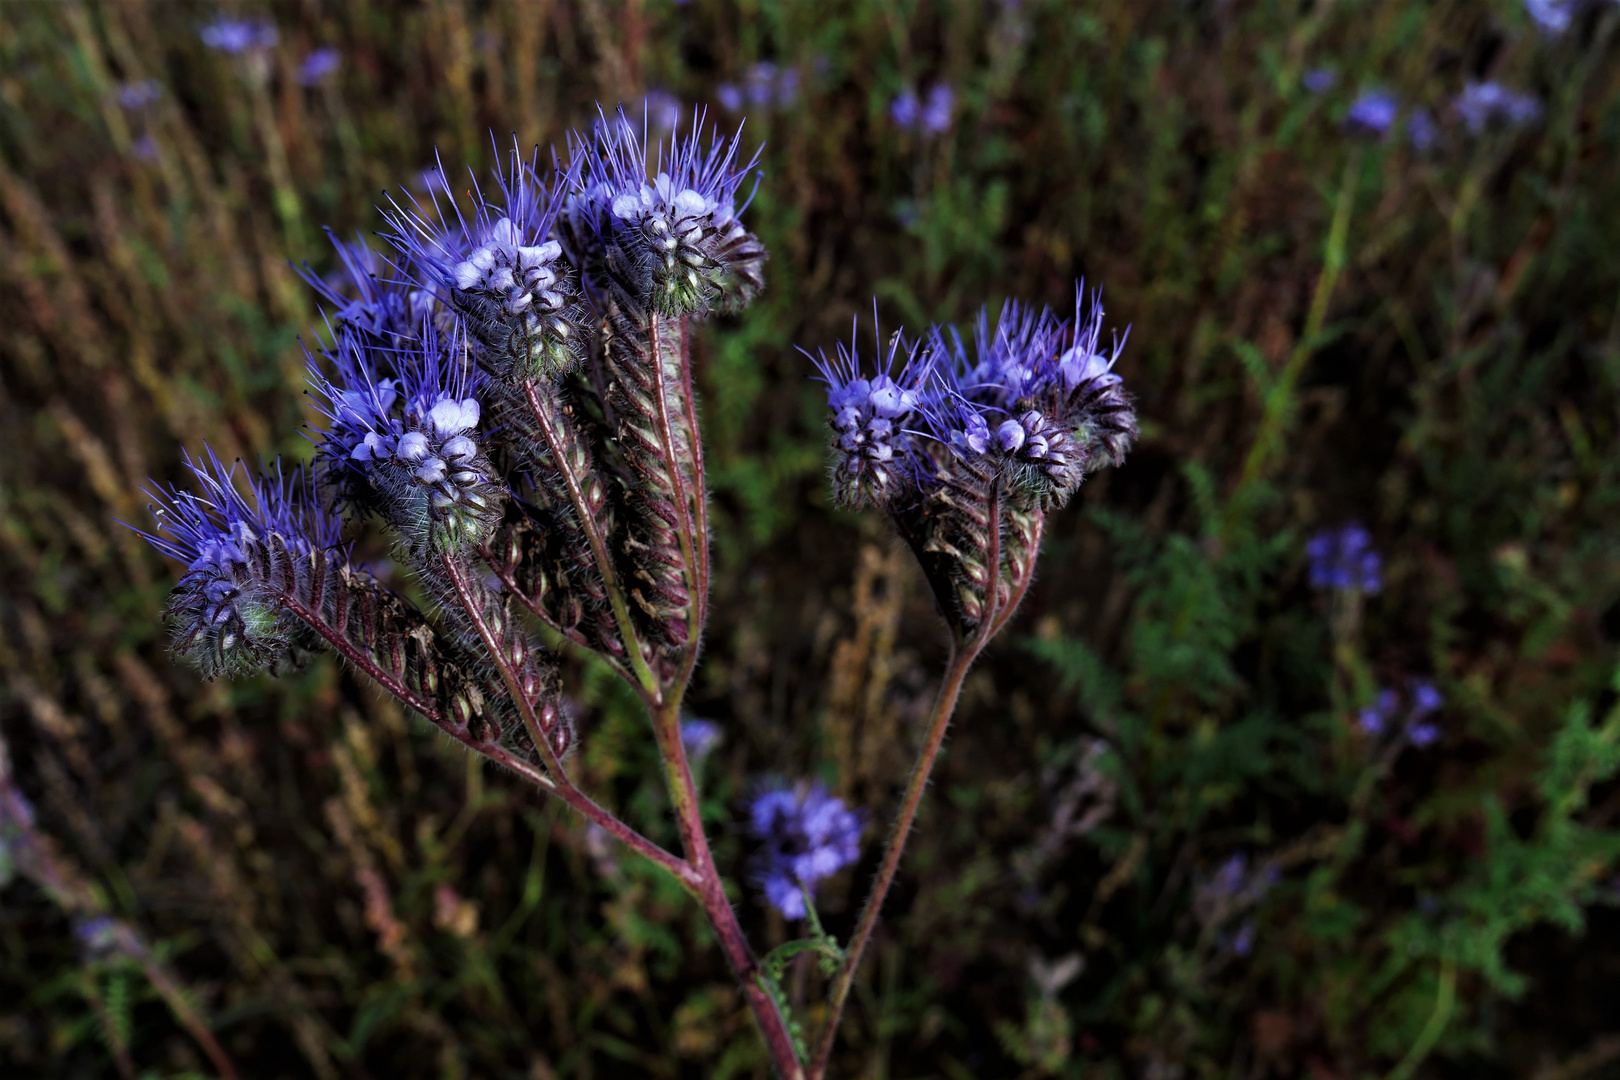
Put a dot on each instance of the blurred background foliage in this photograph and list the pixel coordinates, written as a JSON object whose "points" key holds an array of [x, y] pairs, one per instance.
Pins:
{"points": [[1164, 840]]}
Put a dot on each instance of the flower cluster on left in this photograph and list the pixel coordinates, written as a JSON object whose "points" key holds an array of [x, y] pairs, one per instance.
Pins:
{"points": [[507, 392]]}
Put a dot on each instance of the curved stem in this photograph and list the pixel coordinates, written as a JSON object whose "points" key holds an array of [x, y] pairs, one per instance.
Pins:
{"points": [[711, 892], [561, 783], [963, 653], [962, 657], [544, 411]]}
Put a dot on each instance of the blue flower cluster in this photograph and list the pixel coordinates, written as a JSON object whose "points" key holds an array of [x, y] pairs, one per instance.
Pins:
{"points": [[763, 87], [226, 614], [1423, 700], [1031, 396], [807, 835], [682, 225], [930, 115], [1344, 559], [235, 36]]}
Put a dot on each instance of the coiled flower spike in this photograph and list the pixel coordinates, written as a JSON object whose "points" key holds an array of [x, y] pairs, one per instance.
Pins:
{"points": [[874, 461], [413, 441], [498, 268], [671, 240], [225, 611]]}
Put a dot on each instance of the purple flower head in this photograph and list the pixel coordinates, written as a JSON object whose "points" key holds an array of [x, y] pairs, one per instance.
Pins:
{"points": [[1344, 559], [1243, 944], [761, 83], [904, 108], [1425, 698], [1035, 393], [1423, 734], [1372, 113], [1422, 133], [729, 96], [1553, 16], [138, 95], [1483, 105], [408, 447], [1320, 79], [225, 610], [235, 36], [318, 65], [807, 834], [937, 109], [700, 737], [930, 116], [1230, 878], [874, 459], [678, 219], [1375, 717], [381, 309], [145, 148], [662, 109], [496, 267]]}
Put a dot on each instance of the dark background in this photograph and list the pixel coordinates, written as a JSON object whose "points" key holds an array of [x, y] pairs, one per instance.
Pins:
{"points": [[1326, 327]]}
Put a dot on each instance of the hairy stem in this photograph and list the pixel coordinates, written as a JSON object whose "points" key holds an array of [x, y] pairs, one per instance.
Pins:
{"points": [[963, 653], [545, 414], [962, 657], [559, 779], [711, 890]]}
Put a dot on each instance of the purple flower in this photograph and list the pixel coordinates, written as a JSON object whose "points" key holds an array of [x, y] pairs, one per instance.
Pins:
{"points": [[729, 96], [1423, 734], [137, 96], [318, 65], [1483, 104], [682, 223], [936, 111], [874, 458], [904, 108], [233, 36], [1372, 113], [1344, 559], [145, 148], [807, 835], [1243, 944], [931, 117], [1035, 393], [761, 83], [1552, 16], [1376, 716], [662, 109], [700, 737], [1425, 698], [226, 610], [1421, 131], [1320, 79], [1228, 880]]}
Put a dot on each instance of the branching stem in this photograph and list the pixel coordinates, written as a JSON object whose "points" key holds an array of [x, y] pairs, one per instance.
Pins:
{"points": [[560, 782]]}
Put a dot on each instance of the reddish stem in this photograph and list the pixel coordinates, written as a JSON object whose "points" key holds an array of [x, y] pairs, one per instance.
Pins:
{"points": [[561, 783]]}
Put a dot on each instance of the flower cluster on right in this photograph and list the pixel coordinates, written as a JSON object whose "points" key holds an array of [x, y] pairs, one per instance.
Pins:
{"points": [[968, 442]]}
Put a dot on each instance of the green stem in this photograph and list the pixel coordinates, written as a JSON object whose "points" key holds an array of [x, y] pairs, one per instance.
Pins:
{"points": [[1278, 408], [1444, 998]]}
